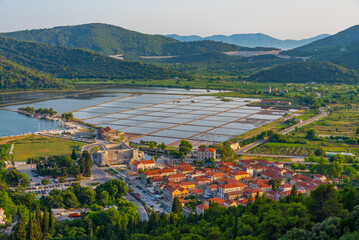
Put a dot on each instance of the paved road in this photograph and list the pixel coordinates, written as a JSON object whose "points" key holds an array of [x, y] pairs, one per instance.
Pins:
{"points": [[11, 149], [244, 149], [141, 210], [322, 114]]}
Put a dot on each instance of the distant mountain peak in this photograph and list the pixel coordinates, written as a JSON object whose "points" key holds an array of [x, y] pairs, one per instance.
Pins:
{"points": [[252, 40]]}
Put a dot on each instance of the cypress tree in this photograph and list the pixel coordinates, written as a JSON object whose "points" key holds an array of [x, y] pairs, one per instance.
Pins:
{"points": [[45, 222], [38, 218], [51, 223], [38, 230], [89, 226], [20, 233], [294, 193], [177, 206], [73, 154], [30, 228], [235, 228]]}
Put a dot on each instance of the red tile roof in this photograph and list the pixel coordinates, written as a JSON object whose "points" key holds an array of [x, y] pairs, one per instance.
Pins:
{"points": [[202, 206], [209, 149]]}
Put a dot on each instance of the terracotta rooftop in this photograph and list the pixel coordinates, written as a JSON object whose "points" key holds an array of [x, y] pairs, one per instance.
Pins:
{"points": [[206, 149], [202, 206]]}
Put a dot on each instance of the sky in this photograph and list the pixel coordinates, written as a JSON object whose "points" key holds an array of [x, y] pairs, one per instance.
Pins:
{"points": [[283, 19]]}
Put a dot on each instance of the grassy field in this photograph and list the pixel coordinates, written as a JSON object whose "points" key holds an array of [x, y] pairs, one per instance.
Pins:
{"points": [[39, 146]]}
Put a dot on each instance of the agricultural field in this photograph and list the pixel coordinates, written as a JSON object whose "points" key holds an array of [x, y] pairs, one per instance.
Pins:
{"points": [[290, 149], [337, 132], [343, 121], [40, 146]]}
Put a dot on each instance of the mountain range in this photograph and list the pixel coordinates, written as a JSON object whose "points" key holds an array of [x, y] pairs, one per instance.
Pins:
{"points": [[252, 40], [50, 57], [112, 40]]}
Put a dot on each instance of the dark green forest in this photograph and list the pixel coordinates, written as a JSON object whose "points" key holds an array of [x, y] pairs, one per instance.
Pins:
{"points": [[101, 38], [76, 63], [335, 42], [13, 75], [303, 72], [111, 40]]}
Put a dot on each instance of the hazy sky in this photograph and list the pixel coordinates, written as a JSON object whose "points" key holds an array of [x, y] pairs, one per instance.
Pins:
{"points": [[283, 19]]}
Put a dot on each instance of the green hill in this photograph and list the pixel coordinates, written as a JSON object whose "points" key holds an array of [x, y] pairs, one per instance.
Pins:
{"points": [[101, 38], [113, 40], [303, 72], [77, 63], [333, 44], [13, 75], [348, 58]]}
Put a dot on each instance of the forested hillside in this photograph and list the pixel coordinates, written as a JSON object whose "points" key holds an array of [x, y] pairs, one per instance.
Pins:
{"points": [[303, 72], [219, 63], [76, 63], [348, 58], [102, 38], [341, 39], [112, 40], [13, 75], [185, 48]]}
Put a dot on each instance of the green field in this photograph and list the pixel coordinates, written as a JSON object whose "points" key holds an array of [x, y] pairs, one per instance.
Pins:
{"points": [[290, 149], [39, 146]]}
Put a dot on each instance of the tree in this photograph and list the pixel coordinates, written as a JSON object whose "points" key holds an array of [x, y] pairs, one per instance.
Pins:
{"points": [[335, 169], [24, 180], [311, 134], [226, 151], [74, 154], [357, 130], [324, 202], [78, 178], [319, 151], [275, 183], [115, 187], [85, 163], [162, 146], [295, 234], [7, 205], [104, 198], [20, 232], [51, 223], [13, 177], [184, 148], [302, 167], [33, 230], [86, 196], [330, 228], [45, 222], [294, 166], [45, 181], [349, 197], [153, 144], [62, 180], [70, 199], [177, 206]]}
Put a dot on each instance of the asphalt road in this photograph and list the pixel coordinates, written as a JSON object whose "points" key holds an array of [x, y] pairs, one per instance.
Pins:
{"points": [[322, 114], [141, 210]]}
